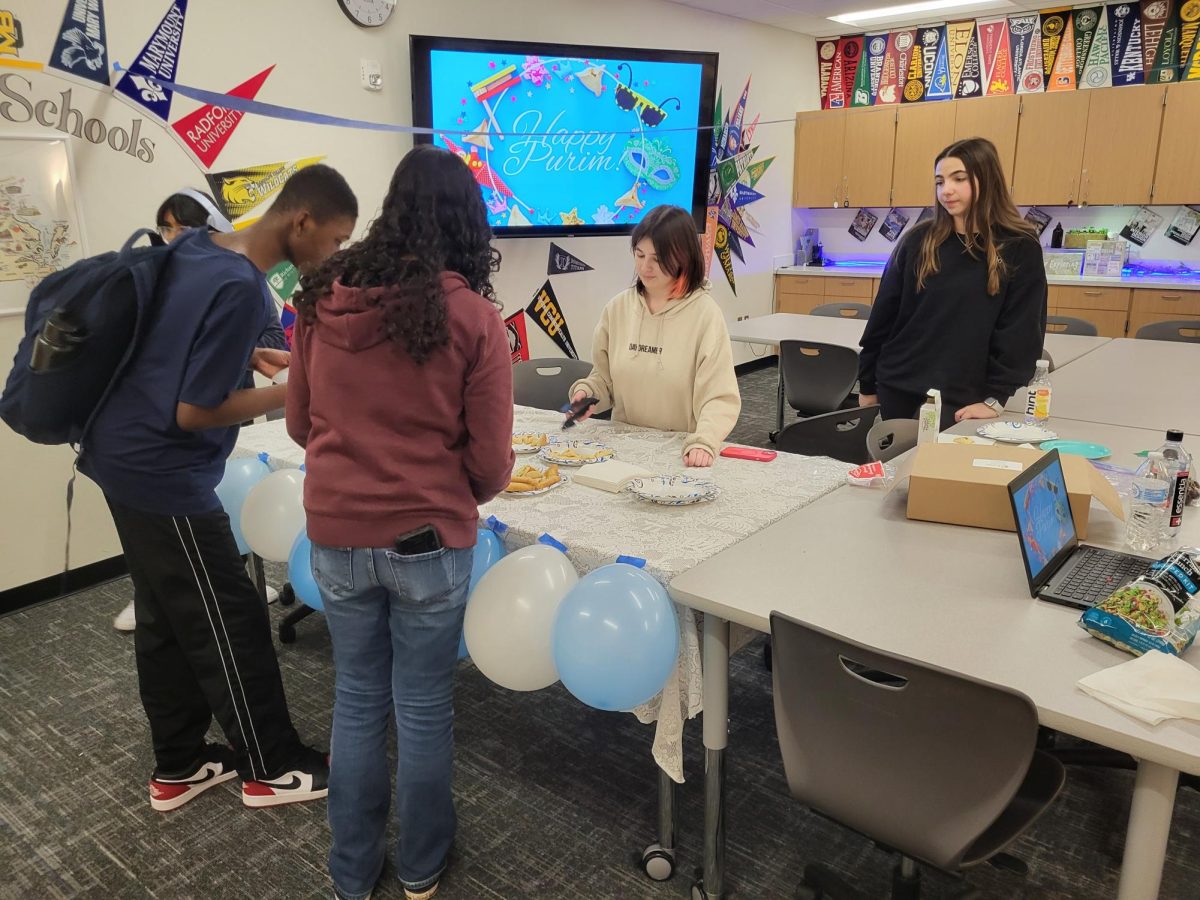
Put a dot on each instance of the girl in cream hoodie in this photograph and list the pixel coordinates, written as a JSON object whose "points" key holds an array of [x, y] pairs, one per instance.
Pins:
{"points": [[661, 356]]}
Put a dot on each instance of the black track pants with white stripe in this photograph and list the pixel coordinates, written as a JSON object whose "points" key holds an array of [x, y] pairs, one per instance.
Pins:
{"points": [[203, 644]]}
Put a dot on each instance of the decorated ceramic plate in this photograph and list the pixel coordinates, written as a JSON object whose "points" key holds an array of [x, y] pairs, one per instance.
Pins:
{"points": [[529, 441], [534, 492], [1078, 448], [1015, 432], [575, 453], [674, 490]]}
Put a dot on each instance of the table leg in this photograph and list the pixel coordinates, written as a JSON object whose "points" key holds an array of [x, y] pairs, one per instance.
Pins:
{"points": [[658, 859], [1149, 825], [716, 737], [779, 400]]}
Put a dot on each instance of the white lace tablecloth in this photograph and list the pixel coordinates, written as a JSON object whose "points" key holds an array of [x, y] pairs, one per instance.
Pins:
{"points": [[597, 526]]}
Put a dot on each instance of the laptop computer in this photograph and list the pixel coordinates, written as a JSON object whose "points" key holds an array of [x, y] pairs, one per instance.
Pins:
{"points": [[1059, 568]]}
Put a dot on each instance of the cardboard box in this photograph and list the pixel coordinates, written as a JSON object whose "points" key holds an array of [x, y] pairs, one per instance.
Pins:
{"points": [[964, 484]]}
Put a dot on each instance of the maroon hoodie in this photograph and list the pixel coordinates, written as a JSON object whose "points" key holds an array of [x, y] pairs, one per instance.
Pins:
{"points": [[392, 445]]}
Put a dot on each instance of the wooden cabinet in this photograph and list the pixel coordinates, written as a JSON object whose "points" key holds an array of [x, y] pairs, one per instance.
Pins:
{"points": [[1050, 140], [1175, 177], [820, 139], [867, 157], [994, 118], [1162, 305], [1105, 307], [922, 131], [1121, 145], [804, 293]]}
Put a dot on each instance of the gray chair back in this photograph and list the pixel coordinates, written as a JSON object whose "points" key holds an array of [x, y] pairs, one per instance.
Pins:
{"points": [[1070, 325], [843, 310], [817, 378], [544, 383], [919, 759], [841, 434], [888, 438], [1174, 330], [1048, 358]]}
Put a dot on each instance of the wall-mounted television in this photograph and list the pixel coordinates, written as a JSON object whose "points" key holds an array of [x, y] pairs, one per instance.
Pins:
{"points": [[568, 139]]}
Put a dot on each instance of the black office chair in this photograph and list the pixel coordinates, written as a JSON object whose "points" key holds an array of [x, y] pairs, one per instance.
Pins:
{"points": [[1187, 330], [1070, 325], [841, 434], [544, 383], [937, 767], [888, 438], [843, 310], [817, 378]]}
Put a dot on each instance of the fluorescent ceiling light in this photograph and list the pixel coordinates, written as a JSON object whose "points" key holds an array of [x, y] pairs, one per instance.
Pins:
{"points": [[902, 9]]}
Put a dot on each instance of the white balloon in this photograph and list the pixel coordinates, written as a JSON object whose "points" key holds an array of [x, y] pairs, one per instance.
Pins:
{"points": [[273, 514], [510, 617]]}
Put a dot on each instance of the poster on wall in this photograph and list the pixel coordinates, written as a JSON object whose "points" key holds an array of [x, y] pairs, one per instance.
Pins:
{"points": [[547, 314], [1058, 50], [1189, 27], [241, 191], [518, 340], [863, 222], [826, 50], [140, 86], [1025, 45], [1185, 225], [1125, 44], [1097, 70], [1038, 219], [893, 224], [996, 57], [204, 133], [39, 216], [80, 51], [1143, 224]]}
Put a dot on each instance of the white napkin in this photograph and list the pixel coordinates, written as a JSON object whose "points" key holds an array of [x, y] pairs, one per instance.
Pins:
{"points": [[1151, 687]]}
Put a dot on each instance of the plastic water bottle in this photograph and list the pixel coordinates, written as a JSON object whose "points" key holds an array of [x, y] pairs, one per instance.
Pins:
{"points": [[1179, 467], [1037, 398], [1149, 507]]}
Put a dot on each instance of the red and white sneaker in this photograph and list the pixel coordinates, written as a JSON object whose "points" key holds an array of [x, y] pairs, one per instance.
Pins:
{"points": [[215, 766], [307, 780]]}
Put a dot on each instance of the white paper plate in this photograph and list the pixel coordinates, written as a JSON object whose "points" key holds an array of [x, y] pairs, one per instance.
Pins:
{"points": [[522, 448], [673, 490], [562, 479], [552, 452], [1016, 432]]}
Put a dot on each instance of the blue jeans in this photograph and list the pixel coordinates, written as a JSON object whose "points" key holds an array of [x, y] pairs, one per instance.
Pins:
{"points": [[394, 622]]}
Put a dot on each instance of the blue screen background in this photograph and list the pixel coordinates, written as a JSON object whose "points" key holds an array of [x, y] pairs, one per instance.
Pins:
{"points": [[1044, 517], [576, 176]]}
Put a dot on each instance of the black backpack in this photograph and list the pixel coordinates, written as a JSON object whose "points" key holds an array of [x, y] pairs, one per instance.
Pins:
{"points": [[82, 327]]}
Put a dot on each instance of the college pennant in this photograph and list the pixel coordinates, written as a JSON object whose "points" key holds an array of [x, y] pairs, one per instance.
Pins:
{"points": [[205, 132], [1125, 44], [80, 50], [518, 340], [545, 311], [560, 262], [139, 85], [239, 191]]}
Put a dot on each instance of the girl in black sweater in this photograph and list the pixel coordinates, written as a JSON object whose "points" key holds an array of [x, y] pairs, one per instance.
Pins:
{"points": [[962, 303]]}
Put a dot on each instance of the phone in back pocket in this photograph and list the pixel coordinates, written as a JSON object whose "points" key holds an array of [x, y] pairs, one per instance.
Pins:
{"points": [[421, 540]]}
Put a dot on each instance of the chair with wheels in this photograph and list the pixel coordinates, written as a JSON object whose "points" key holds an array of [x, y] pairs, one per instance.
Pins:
{"points": [[1187, 330], [843, 310], [841, 434], [937, 767], [888, 438], [544, 383], [1070, 325]]}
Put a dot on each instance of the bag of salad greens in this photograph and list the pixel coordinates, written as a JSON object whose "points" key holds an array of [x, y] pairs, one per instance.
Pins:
{"points": [[1158, 610]]}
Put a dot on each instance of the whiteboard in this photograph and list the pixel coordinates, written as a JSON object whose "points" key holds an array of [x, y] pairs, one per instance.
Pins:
{"points": [[40, 223]]}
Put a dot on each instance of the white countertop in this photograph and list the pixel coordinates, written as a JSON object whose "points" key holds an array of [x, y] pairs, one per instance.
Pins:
{"points": [[1155, 281]]}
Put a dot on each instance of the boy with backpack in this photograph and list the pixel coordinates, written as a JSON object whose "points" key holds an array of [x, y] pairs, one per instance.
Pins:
{"points": [[157, 447]]}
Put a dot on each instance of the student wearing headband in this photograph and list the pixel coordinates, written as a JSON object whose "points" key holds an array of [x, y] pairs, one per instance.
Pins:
{"points": [[189, 209]]}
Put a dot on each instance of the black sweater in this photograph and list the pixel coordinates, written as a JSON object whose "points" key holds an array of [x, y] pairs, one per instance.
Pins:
{"points": [[952, 335]]}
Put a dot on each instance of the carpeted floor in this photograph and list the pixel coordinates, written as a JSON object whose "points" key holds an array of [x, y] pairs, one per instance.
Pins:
{"points": [[554, 799]]}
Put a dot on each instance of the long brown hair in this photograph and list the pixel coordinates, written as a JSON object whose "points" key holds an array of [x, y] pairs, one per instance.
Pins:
{"points": [[991, 210]]}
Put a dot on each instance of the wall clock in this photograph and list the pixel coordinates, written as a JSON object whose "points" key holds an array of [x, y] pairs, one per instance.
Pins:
{"points": [[368, 13]]}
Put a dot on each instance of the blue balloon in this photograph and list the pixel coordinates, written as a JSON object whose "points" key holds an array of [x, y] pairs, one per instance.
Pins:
{"points": [[241, 475], [616, 638], [489, 550], [300, 575]]}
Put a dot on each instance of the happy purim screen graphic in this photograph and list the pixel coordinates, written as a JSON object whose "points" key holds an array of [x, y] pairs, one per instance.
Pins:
{"points": [[569, 141]]}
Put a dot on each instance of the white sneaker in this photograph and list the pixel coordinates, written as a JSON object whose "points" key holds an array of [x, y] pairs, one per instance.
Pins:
{"points": [[125, 620], [272, 594]]}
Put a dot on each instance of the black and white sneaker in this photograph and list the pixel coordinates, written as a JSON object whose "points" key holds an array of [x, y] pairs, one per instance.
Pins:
{"points": [[168, 792], [307, 780]]}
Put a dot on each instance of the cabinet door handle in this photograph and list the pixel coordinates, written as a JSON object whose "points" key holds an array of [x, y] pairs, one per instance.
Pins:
{"points": [[1170, 297], [1091, 293]]}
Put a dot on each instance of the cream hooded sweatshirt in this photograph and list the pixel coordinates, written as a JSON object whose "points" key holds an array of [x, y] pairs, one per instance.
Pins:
{"points": [[672, 370]]}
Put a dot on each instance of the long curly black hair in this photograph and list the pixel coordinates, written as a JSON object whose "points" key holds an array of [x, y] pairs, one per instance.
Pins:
{"points": [[433, 220]]}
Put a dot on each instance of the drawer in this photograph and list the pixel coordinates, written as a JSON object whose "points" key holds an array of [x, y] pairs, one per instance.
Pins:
{"points": [[850, 288], [798, 303], [799, 284], [1138, 319], [1064, 298], [1173, 303]]}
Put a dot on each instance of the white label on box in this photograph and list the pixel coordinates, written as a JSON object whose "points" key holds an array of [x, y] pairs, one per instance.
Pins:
{"points": [[997, 464]]}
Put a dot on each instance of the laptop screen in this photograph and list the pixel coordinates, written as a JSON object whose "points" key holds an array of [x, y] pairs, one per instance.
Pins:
{"points": [[1043, 513]]}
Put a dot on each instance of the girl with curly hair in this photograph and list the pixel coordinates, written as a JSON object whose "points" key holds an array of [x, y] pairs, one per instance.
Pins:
{"points": [[401, 392]]}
